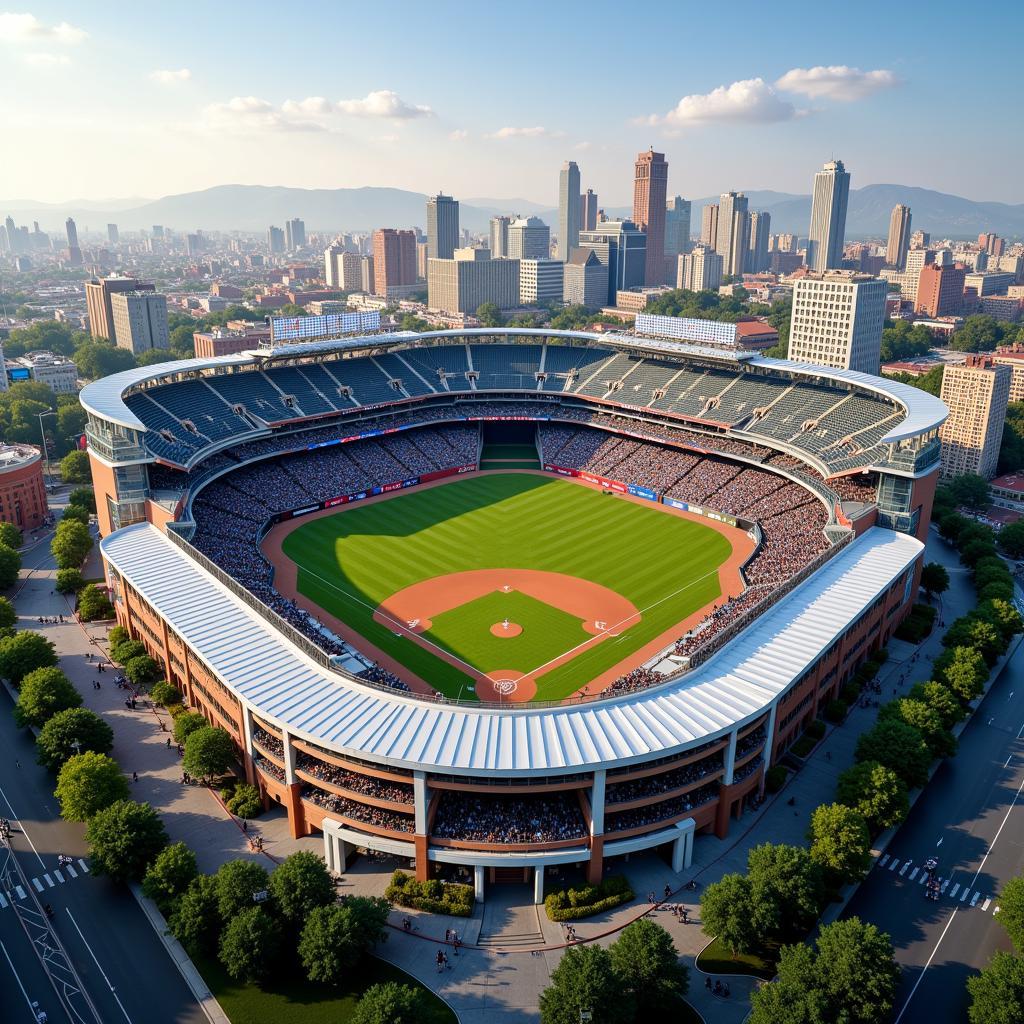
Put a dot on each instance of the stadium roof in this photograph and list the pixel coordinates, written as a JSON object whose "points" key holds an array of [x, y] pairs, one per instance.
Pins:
{"points": [[283, 685], [924, 412]]}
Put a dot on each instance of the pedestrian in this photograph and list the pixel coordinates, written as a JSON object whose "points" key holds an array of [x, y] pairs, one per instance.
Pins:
{"points": [[135, 776], [447, 934], [685, 915], [707, 982], [168, 742], [17, 764], [651, 898], [245, 825], [440, 961], [447, 966], [668, 891]]}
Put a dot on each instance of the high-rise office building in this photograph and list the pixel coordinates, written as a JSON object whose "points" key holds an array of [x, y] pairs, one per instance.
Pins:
{"points": [[699, 270], [588, 210], [650, 191], [920, 240], [275, 239], [540, 281], [976, 395], [11, 230], [760, 229], [529, 238], [568, 210], [366, 274], [140, 321], [828, 217], [194, 244], [499, 237], [98, 294], [334, 272], [442, 226], [899, 236], [294, 234], [113, 237], [733, 237], [622, 248], [158, 231], [677, 229], [74, 252], [837, 320], [709, 225], [782, 243], [462, 286], [394, 263], [585, 280], [940, 289]]}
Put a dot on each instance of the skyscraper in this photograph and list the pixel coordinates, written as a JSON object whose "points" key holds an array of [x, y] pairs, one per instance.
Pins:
{"points": [[112, 234], [621, 247], [394, 262], [442, 226], [677, 228], [733, 236], [760, 229], [650, 188], [529, 238], [275, 239], [976, 394], [98, 301], [568, 209], [828, 217], [140, 321], [499, 237], [588, 210], [709, 225], [899, 236], [699, 270], [294, 234], [74, 252]]}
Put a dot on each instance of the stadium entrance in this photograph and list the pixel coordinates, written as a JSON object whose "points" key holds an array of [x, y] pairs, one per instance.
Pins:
{"points": [[509, 446]]}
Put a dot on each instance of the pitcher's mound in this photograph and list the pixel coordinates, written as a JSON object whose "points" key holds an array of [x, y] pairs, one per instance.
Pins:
{"points": [[503, 629]]}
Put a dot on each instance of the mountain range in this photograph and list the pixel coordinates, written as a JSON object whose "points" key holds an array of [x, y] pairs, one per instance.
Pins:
{"points": [[253, 207]]}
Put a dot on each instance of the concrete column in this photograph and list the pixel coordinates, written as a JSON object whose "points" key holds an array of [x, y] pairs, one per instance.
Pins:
{"points": [[421, 799], [250, 771], [329, 851], [538, 884], [730, 758], [769, 738], [682, 848], [597, 802], [289, 758], [478, 882]]}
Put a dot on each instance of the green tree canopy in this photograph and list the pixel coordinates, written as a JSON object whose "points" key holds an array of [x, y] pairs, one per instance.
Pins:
{"points": [[250, 945], [840, 842], [44, 692], [489, 315], [84, 496], [875, 792], [926, 720], [1003, 615], [939, 698], [69, 732], [75, 469], [96, 359], [390, 1003], [142, 668], [963, 670], [934, 579], [8, 614], [77, 512], [1011, 910], [169, 876], [997, 994], [300, 884], [10, 566], [209, 753], [23, 653], [87, 783], [186, 724], [94, 604], [650, 975], [584, 980], [728, 913], [69, 581], [237, 882], [124, 838], [898, 746], [10, 535], [195, 922], [71, 543], [786, 890]]}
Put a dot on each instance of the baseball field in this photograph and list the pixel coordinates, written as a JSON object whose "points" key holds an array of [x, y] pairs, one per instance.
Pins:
{"points": [[508, 585]]}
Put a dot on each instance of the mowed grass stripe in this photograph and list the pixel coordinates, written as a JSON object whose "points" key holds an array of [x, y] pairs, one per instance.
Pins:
{"points": [[349, 563]]}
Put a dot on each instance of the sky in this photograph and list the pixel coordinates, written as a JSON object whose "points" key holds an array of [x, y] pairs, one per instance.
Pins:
{"points": [[486, 99]]}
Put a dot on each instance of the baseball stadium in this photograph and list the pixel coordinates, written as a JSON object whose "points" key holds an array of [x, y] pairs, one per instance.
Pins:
{"points": [[502, 599]]}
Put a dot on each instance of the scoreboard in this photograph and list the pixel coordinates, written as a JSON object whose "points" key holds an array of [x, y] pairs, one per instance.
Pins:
{"points": [[312, 328]]}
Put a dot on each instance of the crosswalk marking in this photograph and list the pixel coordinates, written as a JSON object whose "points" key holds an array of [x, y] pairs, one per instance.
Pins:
{"points": [[37, 884], [904, 869], [71, 871], [21, 892], [984, 905], [3, 902], [954, 890], [883, 861], [945, 882], [894, 865], [922, 879], [58, 875], [966, 893], [83, 865], [974, 898], [49, 880], [913, 874]]}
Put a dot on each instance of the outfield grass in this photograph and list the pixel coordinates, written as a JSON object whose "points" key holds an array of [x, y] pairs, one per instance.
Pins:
{"points": [[665, 565]]}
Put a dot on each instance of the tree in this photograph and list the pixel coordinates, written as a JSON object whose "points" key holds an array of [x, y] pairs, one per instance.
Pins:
{"points": [[300, 884], [237, 882], [786, 890], [71, 543], [898, 746], [170, 875], [84, 496], [1011, 539], [1003, 615], [141, 669], [976, 549], [70, 419], [1011, 910], [584, 980], [997, 994], [118, 635], [186, 724], [8, 614], [951, 525], [69, 732], [94, 604], [77, 512], [971, 491], [489, 315], [209, 752], [165, 693], [840, 842], [43, 693], [96, 359], [88, 783], [939, 698], [727, 910], [250, 944], [941, 742], [124, 650], [69, 581], [390, 1003], [10, 566], [963, 670], [650, 975], [123, 840], [934, 579], [23, 653], [74, 468], [195, 922], [875, 792], [10, 535]]}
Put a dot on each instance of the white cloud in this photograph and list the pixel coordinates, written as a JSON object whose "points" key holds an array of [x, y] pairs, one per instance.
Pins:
{"points": [[388, 139], [46, 60], [751, 100], [244, 114], [582, 147], [21, 28], [536, 132], [383, 103], [459, 135], [836, 82], [171, 77], [310, 105]]}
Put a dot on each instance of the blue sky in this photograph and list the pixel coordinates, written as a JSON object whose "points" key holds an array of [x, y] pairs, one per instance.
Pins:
{"points": [[486, 99]]}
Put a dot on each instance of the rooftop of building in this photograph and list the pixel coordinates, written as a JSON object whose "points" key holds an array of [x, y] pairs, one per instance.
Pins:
{"points": [[14, 456], [1010, 482]]}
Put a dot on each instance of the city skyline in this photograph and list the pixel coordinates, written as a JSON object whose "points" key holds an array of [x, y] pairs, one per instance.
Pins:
{"points": [[139, 96]]}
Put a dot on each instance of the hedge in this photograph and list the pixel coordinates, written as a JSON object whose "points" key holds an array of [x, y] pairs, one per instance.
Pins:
{"points": [[775, 778], [435, 896], [570, 904], [917, 625], [835, 710]]}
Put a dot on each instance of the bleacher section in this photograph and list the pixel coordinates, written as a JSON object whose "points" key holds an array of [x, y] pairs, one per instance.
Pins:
{"points": [[451, 359], [256, 394], [293, 382], [506, 366], [396, 369]]}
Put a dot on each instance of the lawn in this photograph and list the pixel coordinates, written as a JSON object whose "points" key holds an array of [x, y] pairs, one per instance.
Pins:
{"points": [[352, 561], [715, 958], [298, 1001]]}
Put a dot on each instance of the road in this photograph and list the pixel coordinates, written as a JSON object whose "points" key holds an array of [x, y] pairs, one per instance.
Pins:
{"points": [[971, 816], [114, 953]]}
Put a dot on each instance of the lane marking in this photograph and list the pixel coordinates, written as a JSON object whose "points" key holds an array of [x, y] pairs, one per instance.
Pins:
{"points": [[974, 899], [894, 865], [922, 879], [83, 865], [17, 978], [71, 871], [20, 892], [24, 831], [883, 861], [3, 902], [903, 870], [1008, 760], [965, 893], [984, 905], [100, 969], [49, 880], [945, 883], [58, 875], [954, 891], [913, 874], [37, 884]]}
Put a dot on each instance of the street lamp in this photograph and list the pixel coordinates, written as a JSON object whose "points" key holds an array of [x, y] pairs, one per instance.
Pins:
{"points": [[42, 433], [77, 744]]}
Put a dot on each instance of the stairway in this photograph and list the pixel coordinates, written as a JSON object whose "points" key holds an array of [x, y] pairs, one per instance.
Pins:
{"points": [[510, 918]]}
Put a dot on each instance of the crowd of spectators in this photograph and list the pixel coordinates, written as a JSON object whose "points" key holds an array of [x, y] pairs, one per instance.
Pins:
{"points": [[365, 785], [750, 742], [639, 679], [269, 742], [375, 674], [547, 818], [369, 814], [651, 814], [265, 765], [664, 782], [746, 770]]}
